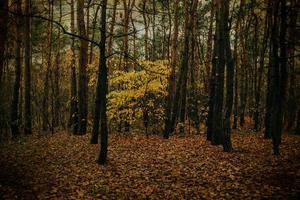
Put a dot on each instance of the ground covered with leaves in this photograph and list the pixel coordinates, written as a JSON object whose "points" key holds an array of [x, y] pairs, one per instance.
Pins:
{"points": [[63, 166]]}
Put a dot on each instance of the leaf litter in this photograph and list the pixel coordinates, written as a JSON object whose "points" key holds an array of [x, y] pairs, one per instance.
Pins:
{"points": [[63, 166]]}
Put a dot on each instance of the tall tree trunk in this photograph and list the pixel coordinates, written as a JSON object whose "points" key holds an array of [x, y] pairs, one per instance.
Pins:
{"points": [[217, 123], [56, 78], [73, 119], [3, 33], [27, 75], [291, 112], [102, 90], [45, 117], [83, 79], [227, 146], [260, 73], [297, 130], [279, 72], [146, 25], [208, 56], [153, 54], [93, 35], [111, 28], [190, 12], [126, 5], [15, 121], [171, 78], [212, 81]]}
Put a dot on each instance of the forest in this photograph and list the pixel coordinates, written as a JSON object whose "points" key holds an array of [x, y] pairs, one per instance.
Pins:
{"points": [[149, 99]]}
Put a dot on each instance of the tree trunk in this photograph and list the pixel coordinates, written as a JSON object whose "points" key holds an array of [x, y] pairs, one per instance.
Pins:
{"points": [[27, 83], [15, 121], [83, 79], [111, 28], [227, 146], [279, 72], [297, 130], [260, 73], [102, 89], [291, 112], [208, 56], [146, 25], [73, 119], [45, 114], [217, 122], [171, 79], [3, 33]]}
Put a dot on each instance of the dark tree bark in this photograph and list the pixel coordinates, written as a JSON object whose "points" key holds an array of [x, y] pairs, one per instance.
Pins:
{"points": [[3, 33], [73, 120], [217, 122], [212, 83], [111, 28], [208, 56], [279, 71], [15, 121], [91, 55], [171, 78], [297, 130], [190, 11], [56, 118], [27, 75], [260, 74], [102, 90], [291, 112], [180, 94], [227, 146], [45, 114], [83, 79]]}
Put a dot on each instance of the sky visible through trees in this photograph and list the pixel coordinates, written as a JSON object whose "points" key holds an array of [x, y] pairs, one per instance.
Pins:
{"points": [[153, 89]]}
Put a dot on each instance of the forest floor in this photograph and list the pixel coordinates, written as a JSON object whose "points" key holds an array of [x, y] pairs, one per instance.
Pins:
{"points": [[62, 166]]}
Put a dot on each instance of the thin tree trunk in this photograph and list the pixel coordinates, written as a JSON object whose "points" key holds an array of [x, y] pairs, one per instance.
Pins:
{"points": [[260, 74], [291, 112], [171, 79], [102, 89], [217, 128], [3, 34], [83, 79], [146, 25], [45, 117], [73, 119], [208, 56], [15, 121], [227, 145], [111, 28], [27, 75]]}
